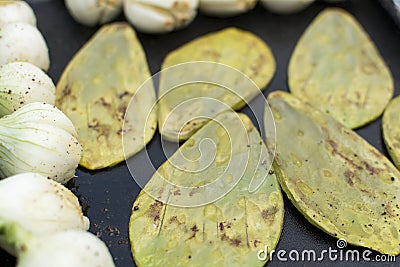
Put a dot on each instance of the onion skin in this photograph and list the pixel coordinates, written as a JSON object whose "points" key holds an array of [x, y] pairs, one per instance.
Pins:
{"points": [[226, 8], [66, 249], [39, 138], [22, 83], [286, 6], [94, 12], [23, 42], [39, 205], [160, 16], [16, 11]]}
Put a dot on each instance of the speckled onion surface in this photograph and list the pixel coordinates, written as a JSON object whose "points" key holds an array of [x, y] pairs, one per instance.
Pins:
{"points": [[226, 232], [23, 42], [338, 181], [391, 130], [233, 47], [22, 83], [94, 91], [337, 68]]}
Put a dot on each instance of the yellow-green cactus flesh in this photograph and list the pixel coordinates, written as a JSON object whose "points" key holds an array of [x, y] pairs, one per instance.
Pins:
{"points": [[337, 68], [391, 130], [233, 48], [226, 232], [94, 92], [338, 181]]}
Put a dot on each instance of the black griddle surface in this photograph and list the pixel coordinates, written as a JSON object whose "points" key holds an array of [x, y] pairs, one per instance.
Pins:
{"points": [[107, 195]]}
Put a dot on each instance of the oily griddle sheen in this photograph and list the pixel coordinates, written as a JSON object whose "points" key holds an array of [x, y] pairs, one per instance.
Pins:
{"points": [[94, 92], [338, 181], [233, 47], [391, 130], [227, 232], [336, 67]]}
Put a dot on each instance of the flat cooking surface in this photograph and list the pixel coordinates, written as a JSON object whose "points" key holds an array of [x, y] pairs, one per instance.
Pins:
{"points": [[107, 195]]}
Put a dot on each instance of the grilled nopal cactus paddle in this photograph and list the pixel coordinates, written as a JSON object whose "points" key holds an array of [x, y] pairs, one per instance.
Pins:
{"points": [[336, 179], [391, 130], [227, 232], [337, 68], [95, 90], [229, 48]]}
